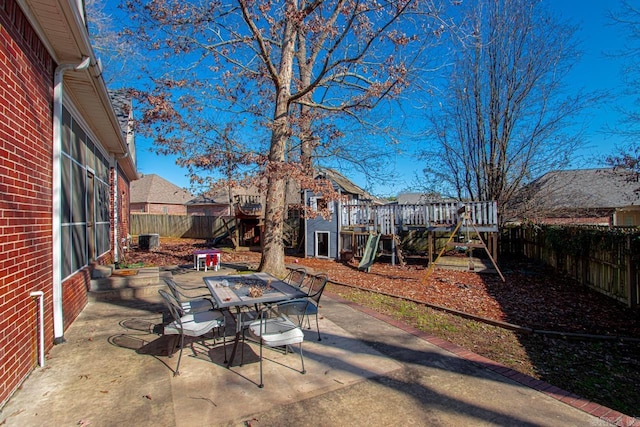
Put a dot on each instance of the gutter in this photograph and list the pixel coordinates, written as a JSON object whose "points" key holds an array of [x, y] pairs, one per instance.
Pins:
{"points": [[58, 94], [116, 216]]}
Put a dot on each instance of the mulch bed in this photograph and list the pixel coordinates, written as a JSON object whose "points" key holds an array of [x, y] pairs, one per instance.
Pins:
{"points": [[532, 296]]}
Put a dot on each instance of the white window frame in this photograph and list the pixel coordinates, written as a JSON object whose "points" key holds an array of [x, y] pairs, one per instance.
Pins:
{"points": [[316, 240]]}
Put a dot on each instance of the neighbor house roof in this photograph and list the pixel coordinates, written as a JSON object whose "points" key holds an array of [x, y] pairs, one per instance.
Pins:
{"points": [[155, 189], [605, 188], [122, 106], [346, 185], [221, 196], [292, 195]]}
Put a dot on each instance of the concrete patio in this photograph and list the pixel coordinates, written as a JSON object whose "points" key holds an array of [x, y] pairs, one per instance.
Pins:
{"points": [[366, 371]]}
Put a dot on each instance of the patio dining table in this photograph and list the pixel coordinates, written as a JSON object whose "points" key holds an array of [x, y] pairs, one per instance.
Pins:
{"points": [[242, 291]]}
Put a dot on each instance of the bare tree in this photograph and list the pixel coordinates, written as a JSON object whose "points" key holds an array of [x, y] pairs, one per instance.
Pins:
{"points": [[501, 119], [218, 64], [117, 54], [627, 155]]}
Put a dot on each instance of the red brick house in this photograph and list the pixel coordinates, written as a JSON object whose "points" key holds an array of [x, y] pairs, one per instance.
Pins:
{"points": [[603, 196], [218, 203], [153, 194], [65, 169]]}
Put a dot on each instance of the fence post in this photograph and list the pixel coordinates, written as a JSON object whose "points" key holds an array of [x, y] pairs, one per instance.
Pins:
{"points": [[585, 268], [632, 284]]}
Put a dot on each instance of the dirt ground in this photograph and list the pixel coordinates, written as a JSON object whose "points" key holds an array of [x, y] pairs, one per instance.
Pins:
{"points": [[531, 296]]}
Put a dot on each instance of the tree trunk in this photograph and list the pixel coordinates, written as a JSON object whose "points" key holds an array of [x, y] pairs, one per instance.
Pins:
{"points": [[272, 260]]}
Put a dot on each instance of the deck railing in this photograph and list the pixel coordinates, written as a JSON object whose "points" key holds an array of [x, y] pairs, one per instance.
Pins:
{"points": [[389, 219]]}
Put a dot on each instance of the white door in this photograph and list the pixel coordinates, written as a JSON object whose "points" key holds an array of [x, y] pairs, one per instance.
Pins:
{"points": [[322, 244]]}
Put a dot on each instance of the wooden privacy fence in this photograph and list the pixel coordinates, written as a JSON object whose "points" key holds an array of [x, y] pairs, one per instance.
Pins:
{"points": [[602, 258], [191, 227]]}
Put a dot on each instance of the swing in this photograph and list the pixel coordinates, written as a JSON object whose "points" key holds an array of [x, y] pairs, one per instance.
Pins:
{"points": [[463, 219]]}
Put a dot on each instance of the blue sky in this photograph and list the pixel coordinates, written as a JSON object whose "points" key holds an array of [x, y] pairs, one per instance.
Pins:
{"points": [[594, 71], [597, 70]]}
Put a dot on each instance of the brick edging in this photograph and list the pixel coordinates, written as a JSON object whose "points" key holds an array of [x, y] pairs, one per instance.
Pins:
{"points": [[602, 412]]}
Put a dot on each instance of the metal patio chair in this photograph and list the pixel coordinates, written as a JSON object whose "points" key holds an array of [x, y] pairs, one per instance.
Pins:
{"points": [[276, 332], [296, 277], [188, 302], [310, 304], [194, 324]]}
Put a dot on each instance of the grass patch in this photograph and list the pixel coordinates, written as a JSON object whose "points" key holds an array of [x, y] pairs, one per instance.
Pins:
{"points": [[120, 266], [607, 373]]}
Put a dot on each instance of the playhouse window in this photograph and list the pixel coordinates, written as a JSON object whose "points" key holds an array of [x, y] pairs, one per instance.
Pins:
{"points": [[319, 204]]}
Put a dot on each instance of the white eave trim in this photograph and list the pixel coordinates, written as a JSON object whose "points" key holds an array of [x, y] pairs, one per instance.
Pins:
{"points": [[71, 10]]}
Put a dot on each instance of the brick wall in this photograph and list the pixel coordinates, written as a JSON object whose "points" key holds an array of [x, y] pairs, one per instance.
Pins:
{"points": [[74, 295], [26, 78], [137, 207], [159, 209], [125, 196], [212, 210]]}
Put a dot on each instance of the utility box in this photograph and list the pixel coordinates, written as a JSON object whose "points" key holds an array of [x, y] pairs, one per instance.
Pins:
{"points": [[149, 242]]}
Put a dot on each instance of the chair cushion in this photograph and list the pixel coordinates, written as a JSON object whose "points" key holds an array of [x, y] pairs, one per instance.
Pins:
{"points": [[196, 324], [276, 331]]}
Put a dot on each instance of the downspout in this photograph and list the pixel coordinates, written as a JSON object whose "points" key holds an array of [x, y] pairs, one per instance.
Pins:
{"points": [[116, 216], [338, 205], [40, 296], [116, 209], [58, 317]]}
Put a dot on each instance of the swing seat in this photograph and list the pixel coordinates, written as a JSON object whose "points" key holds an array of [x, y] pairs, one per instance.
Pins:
{"points": [[466, 245]]}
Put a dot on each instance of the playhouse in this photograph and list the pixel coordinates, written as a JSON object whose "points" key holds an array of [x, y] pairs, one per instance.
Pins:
{"points": [[359, 224], [322, 235]]}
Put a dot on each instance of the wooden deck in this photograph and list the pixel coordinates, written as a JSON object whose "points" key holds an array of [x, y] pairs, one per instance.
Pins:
{"points": [[392, 219]]}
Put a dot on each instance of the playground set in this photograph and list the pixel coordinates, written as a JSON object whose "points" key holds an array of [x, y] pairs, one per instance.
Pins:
{"points": [[362, 227], [358, 230]]}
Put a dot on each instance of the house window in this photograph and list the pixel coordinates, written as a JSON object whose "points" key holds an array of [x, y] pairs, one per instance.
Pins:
{"points": [[319, 204], [322, 244], [85, 219]]}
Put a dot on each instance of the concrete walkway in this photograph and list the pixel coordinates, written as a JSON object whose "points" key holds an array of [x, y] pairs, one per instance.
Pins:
{"points": [[113, 370]]}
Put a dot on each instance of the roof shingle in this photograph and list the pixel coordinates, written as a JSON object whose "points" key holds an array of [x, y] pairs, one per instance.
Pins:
{"points": [[155, 189], [604, 188]]}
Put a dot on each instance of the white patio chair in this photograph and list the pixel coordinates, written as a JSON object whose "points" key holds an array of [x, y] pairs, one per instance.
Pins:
{"points": [[276, 332], [191, 324]]}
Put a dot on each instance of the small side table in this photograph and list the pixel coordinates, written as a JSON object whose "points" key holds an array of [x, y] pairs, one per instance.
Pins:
{"points": [[208, 257]]}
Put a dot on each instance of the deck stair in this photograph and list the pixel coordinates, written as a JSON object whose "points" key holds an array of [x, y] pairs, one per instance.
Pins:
{"points": [[108, 283]]}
